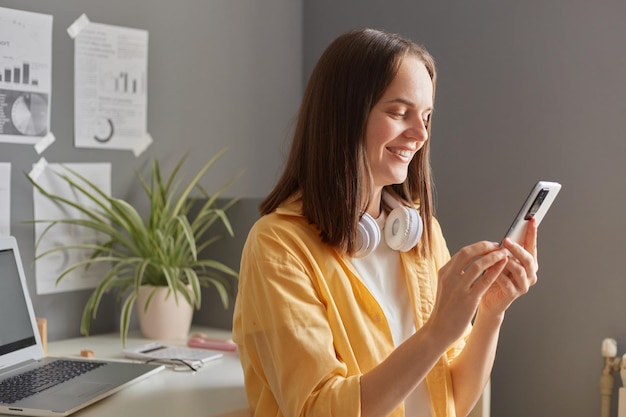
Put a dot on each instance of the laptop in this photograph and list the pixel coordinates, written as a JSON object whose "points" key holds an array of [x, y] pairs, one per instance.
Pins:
{"points": [[75, 383]]}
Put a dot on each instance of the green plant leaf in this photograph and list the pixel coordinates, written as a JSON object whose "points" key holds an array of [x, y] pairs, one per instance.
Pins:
{"points": [[161, 249], [127, 309]]}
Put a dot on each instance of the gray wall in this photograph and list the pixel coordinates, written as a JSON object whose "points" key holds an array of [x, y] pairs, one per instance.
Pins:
{"points": [[220, 73], [528, 90]]}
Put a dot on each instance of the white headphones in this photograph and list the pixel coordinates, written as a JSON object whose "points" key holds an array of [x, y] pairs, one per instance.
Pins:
{"points": [[403, 229]]}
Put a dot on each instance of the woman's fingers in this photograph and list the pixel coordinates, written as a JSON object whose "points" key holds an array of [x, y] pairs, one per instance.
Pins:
{"points": [[479, 266], [521, 258], [462, 283], [475, 267], [490, 275], [530, 240]]}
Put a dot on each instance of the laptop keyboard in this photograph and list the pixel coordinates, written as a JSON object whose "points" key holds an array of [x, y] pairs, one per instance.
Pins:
{"points": [[24, 385]]}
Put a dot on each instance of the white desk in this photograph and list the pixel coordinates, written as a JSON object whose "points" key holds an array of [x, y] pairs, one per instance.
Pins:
{"points": [[215, 389]]}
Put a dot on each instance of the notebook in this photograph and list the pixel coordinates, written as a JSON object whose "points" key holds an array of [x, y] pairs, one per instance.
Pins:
{"points": [[163, 353], [21, 353]]}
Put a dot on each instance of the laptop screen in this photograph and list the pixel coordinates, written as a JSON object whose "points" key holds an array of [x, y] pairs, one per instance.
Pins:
{"points": [[16, 330]]}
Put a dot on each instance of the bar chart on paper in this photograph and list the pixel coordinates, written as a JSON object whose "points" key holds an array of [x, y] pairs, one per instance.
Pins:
{"points": [[25, 107], [18, 75], [123, 82], [24, 103]]}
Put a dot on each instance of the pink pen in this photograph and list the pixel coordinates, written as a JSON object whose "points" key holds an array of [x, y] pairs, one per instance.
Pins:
{"points": [[204, 342]]}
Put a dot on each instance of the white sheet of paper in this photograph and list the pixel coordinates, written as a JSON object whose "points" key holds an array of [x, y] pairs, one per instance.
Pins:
{"points": [[111, 88], [49, 267], [5, 198], [25, 75]]}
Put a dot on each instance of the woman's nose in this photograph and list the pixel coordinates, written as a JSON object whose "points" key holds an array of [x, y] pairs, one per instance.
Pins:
{"points": [[417, 130]]}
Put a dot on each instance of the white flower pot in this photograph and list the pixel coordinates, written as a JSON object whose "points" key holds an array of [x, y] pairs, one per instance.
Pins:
{"points": [[164, 319]]}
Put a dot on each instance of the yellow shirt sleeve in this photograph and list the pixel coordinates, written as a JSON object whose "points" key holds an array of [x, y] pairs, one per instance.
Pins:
{"points": [[287, 349]]}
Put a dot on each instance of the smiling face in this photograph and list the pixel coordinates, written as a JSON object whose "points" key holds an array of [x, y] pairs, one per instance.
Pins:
{"points": [[397, 125]]}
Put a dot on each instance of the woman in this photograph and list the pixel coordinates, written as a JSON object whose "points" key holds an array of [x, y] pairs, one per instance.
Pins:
{"points": [[333, 319]]}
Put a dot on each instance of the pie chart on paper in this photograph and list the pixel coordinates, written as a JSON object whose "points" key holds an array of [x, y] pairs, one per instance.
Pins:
{"points": [[29, 114]]}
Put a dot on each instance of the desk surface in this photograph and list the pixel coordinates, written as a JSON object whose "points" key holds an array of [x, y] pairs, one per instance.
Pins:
{"points": [[215, 389]]}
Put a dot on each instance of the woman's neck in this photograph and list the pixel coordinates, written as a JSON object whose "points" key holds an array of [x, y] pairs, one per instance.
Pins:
{"points": [[374, 206]]}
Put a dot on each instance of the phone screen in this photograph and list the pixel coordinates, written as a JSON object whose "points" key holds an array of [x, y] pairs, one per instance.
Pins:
{"points": [[536, 205]]}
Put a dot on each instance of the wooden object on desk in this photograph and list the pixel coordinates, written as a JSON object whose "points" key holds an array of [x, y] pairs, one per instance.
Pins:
{"points": [[42, 326], [621, 405]]}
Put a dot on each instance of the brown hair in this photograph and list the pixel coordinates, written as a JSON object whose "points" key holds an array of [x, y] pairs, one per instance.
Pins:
{"points": [[327, 161]]}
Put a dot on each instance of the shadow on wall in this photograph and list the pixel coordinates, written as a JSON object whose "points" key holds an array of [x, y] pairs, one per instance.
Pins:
{"points": [[228, 251]]}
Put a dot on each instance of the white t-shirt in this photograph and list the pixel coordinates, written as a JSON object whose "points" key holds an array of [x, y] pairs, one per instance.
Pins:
{"points": [[381, 271]]}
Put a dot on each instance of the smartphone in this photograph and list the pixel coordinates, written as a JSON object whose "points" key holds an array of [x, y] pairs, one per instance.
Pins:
{"points": [[536, 205]]}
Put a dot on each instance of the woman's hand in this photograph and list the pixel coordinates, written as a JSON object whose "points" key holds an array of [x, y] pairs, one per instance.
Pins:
{"points": [[519, 274], [463, 281]]}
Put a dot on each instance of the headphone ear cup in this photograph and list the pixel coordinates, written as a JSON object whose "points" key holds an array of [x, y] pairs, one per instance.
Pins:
{"points": [[403, 228], [368, 236]]}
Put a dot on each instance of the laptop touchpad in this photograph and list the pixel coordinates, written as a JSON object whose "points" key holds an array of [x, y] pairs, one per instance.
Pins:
{"points": [[84, 389]]}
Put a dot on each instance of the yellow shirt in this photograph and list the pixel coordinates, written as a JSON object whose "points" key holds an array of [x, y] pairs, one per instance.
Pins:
{"points": [[308, 328]]}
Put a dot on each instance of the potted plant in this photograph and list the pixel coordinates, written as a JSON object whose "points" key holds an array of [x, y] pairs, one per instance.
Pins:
{"points": [[159, 253]]}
